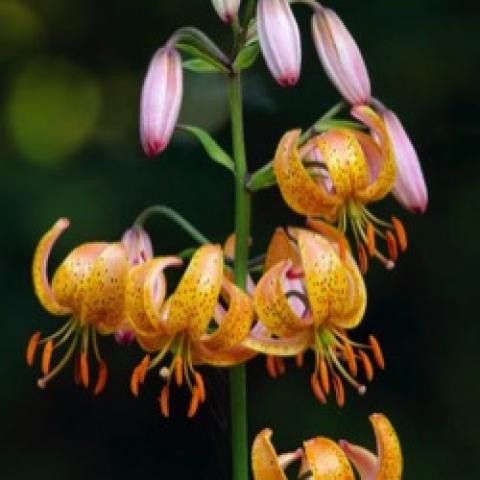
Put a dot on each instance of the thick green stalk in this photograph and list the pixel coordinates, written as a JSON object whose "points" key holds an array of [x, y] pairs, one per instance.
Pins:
{"points": [[238, 394]]}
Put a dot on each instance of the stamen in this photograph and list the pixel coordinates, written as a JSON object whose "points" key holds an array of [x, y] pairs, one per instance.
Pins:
{"points": [[361, 389], [280, 364], [163, 401], [350, 358], [362, 258], [143, 368], [377, 352], [271, 366], [84, 375], [47, 356], [32, 347], [401, 233], [367, 365], [392, 245], [102, 378], [178, 366], [193, 408], [370, 239], [317, 389], [324, 377], [299, 360], [389, 264], [339, 390], [134, 381], [202, 394]]}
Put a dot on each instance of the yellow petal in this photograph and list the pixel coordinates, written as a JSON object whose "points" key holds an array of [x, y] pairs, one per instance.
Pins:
{"points": [[221, 358], [387, 173], [104, 298], [236, 322], [41, 284], [272, 306], [263, 342], [281, 248], [265, 463], [299, 190], [345, 161], [153, 342], [194, 300], [327, 460]]}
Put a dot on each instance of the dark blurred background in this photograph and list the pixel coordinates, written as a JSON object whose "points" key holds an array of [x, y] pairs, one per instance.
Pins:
{"points": [[71, 71]]}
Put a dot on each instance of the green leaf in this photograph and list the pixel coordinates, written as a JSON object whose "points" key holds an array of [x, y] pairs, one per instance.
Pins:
{"points": [[247, 56], [199, 65], [213, 149], [262, 178], [196, 53]]}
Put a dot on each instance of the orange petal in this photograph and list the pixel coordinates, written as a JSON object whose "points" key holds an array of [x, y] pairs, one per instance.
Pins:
{"points": [[221, 358], [283, 347], [193, 303], [41, 284], [265, 462], [299, 189], [281, 248]]}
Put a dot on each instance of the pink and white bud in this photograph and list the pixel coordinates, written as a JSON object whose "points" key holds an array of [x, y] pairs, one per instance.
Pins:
{"points": [[410, 189], [138, 245], [227, 9], [161, 100], [279, 39], [124, 336], [340, 56]]}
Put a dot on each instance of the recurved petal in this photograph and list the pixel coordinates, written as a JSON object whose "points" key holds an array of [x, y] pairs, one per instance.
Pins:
{"points": [[235, 324], [326, 460], [194, 300], [41, 284], [221, 358], [265, 462], [153, 342], [387, 174], [104, 298], [281, 248], [301, 193]]}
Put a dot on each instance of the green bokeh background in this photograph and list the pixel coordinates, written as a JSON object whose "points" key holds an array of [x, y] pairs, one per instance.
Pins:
{"points": [[71, 71]]}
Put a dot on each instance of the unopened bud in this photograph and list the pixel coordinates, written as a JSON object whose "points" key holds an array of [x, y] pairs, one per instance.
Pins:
{"points": [[227, 9], [138, 244]]}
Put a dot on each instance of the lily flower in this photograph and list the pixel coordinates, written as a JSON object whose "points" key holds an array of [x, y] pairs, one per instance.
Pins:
{"points": [[161, 100], [279, 39], [88, 288], [340, 56], [227, 9], [204, 321], [323, 459], [310, 295], [336, 174], [138, 244]]}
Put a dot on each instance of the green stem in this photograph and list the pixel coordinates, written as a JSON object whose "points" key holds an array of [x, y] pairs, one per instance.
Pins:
{"points": [[238, 397], [175, 217]]}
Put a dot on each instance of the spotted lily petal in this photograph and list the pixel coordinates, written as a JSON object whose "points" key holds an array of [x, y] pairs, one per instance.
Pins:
{"points": [[326, 460], [299, 190], [227, 357], [387, 465], [279, 249], [265, 461], [194, 300], [41, 284]]}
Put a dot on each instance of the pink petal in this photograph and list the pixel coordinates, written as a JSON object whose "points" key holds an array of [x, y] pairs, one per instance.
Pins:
{"points": [[365, 461], [138, 245], [227, 9]]}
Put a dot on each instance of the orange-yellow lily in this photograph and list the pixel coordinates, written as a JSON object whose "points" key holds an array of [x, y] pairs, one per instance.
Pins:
{"points": [[310, 295], [334, 175], [204, 321], [88, 287], [323, 459]]}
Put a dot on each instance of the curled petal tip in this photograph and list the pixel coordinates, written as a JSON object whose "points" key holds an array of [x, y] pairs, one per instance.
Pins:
{"points": [[227, 9]]}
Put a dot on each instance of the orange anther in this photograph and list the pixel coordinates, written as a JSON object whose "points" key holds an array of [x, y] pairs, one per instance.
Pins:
{"points": [[367, 365], [370, 239], [134, 381], [299, 360], [102, 378], [324, 377], [401, 233], [317, 389], [350, 358], [193, 408], [32, 348], [47, 356], [280, 364], [202, 393], [143, 368], [377, 352], [392, 245], [178, 370], [339, 390], [271, 366], [163, 401], [84, 375], [362, 258]]}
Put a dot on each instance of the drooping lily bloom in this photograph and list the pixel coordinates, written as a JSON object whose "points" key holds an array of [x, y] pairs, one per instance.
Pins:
{"points": [[161, 100], [322, 459], [310, 295], [88, 288], [227, 9], [279, 39], [334, 176], [340, 56], [203, 322]]}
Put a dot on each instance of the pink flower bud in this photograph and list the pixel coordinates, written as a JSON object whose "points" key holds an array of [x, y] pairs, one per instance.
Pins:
{"points": [[410, 189], [138, 244], [161, 100], [227, 9], [279, 40], [124, 336], [340, 56]]}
